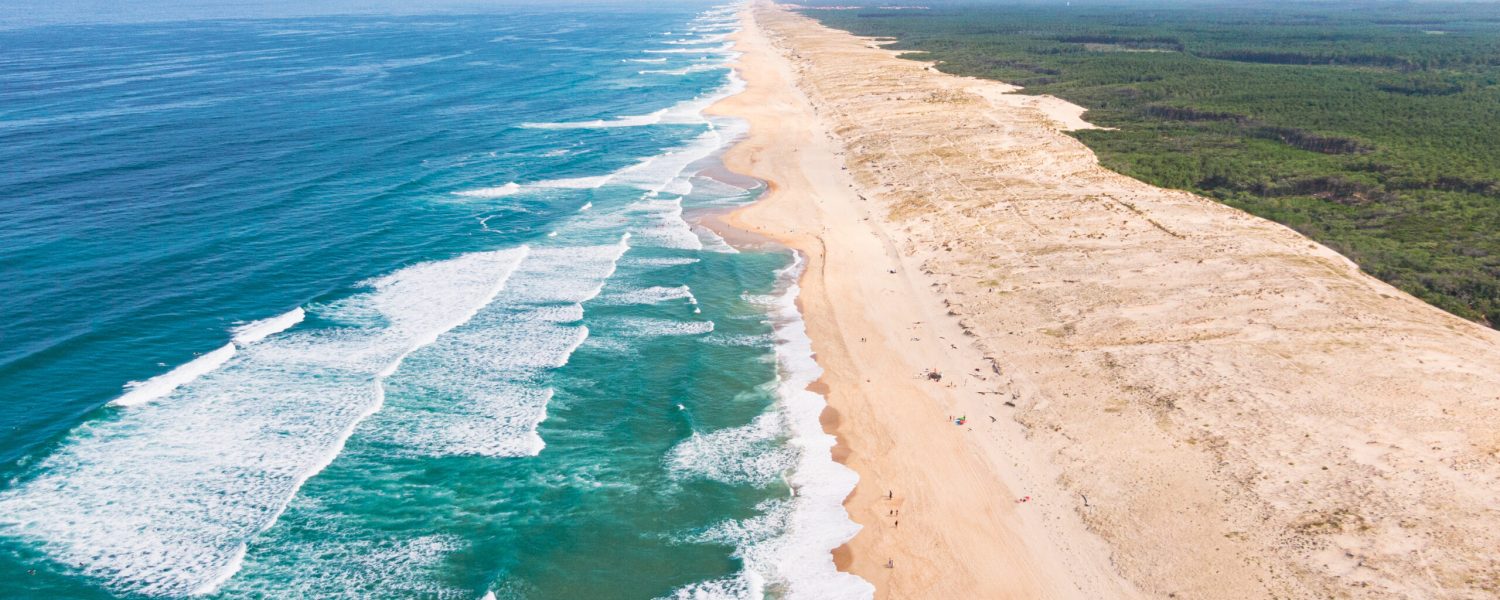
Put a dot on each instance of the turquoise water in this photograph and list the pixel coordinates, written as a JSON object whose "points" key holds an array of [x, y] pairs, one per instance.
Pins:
{"points": [[395, 306]]}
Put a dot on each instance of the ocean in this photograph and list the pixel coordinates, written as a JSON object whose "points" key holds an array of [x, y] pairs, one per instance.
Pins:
{"points": [[395, 305]]}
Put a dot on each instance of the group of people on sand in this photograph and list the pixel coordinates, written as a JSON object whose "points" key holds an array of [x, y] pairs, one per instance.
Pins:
{"points": [[934, 375]]}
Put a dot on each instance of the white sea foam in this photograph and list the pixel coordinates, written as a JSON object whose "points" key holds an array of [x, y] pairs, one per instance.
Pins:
{"points": [[646, 60], [790, 543], [574, 183], [698, 68], [718, 192], [513, 188], [658, 223], [141, 392], [716, 49], [706, 39], [160, 500], [685, 112], [233, 446], [667, 173], [501, 191], [750, 454], [802, 556], [399, 567], [651, 327], [488, 372], [714, 242], [663, 262], [739, 340], [738, 587], [650, 295], [750, 582], [625, 121], [256, 331]]}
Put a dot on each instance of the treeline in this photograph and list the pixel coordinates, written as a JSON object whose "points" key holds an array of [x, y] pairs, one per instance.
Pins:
{"points": [[1372, 127], [1292, 136], [1137, 43], [1308, 58]]}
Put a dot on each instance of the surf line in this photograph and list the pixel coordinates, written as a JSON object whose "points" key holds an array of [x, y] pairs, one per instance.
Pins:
{"points": [[141, 392], [85, 523], [237, 559]]}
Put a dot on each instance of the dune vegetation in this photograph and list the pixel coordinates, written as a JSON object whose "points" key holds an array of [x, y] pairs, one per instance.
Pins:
{"points": [[1373, 128]]}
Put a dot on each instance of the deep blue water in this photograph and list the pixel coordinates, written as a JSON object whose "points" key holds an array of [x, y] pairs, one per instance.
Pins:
{"points": [[402, 305]]}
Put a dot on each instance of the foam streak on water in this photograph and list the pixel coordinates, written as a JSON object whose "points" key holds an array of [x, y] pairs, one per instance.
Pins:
{"points": [[141, 392], [687, 112], [160, 498], [651, 295], [256, 331], [488, 372], [752, 454], [513, 188]]}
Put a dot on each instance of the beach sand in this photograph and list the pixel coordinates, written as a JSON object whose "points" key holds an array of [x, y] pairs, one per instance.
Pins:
{"points": [[1193, 401]]}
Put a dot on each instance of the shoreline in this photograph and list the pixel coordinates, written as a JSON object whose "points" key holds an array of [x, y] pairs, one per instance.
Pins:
{"points": [[993, 535], [814, 517]]}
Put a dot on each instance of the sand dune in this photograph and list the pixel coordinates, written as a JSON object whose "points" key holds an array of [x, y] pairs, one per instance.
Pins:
{"points": [[1196, 401]]}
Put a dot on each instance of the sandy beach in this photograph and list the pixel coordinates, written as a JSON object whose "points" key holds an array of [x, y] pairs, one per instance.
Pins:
{"points": [[1164, 396]]}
